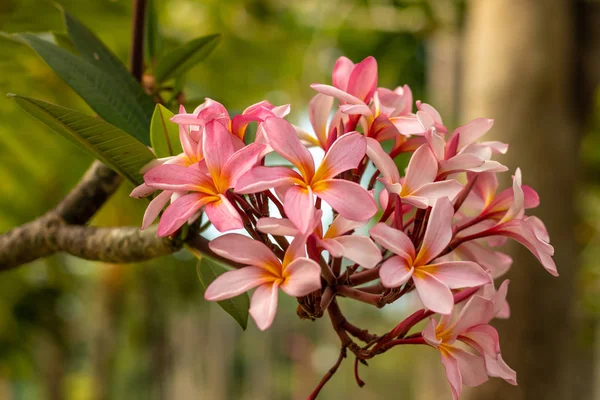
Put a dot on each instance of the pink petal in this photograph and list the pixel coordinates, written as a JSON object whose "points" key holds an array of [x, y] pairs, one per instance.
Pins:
{"points": [[477, 311], [499, 369], [337, 93], [189, 146], [179, 211], [472, 131], [363, 79], [500, 303], [263, 305], [472, 367], [435, 115], [341, 225], [483, 338], [178, 178], [395, 272], [283, 139], [345, 153], [485, 186], [394, 240], [223, 215], [517, 207], [349, 199], [359, 249], [432, 192], [303, 276], [141, 191], [259, 179], [341, 72], [236, 282], [383, 162], [408, 125], [434, 294], [356, 109], [244, 250], [436, 142], [155, 207], [496, 147], [495, 262], [458, 274], [408, 99], [422, 169], [217, 145], [460, 162], [531, 198], [241, 162], [523, 232], [277, 226], [299, 207], [319, 109], [452, 374], [429, 333], [334, 248], [438, 233]]}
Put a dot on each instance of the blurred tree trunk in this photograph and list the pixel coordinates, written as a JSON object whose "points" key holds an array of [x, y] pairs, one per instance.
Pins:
{"points": [[521, 68]]}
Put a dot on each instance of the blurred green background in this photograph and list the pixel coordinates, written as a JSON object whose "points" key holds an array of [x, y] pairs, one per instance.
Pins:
{"points": [[72, 329]]}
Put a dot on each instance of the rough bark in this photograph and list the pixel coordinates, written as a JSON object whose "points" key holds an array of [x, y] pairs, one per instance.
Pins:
{"points": [[520, 67]]}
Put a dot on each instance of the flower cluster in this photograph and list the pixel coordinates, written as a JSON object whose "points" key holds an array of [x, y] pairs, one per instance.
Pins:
{"points": [[434, 227]]}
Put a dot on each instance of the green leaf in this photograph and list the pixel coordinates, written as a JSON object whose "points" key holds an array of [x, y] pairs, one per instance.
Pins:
{"points": [[164, 134], [106, 95], [107, 143], [91, 48], [152, 38], [184, 57], [64, 41], [208, 270]]}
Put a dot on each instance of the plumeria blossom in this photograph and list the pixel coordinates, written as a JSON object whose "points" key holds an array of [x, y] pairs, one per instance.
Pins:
{"points": [[461, 153], [471, 327], [509, 211], [212, 110], [346, 197], [418, 187], [432, 280], [208, 186], [443, 218], [296, 275], [336, 240], [192, 154]]}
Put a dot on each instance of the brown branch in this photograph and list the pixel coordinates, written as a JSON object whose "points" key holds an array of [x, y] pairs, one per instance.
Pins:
{"points": [[34, 239], [86, 198], [50, 232], [115, 245], [136, 55]]}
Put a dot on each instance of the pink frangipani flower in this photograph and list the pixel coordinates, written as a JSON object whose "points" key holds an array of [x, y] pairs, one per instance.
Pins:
{"points": [[212, 110], [470, 326], [348, 198], [295, 275], [337, 241], [419, 187], [208, 187], [433, 280]]}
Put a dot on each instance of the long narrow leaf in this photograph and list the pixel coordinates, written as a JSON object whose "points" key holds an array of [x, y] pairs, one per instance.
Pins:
{"points": [[208, 270], [184, 57], [104, 94], [164, 134], [109, 144], [91, 48]]}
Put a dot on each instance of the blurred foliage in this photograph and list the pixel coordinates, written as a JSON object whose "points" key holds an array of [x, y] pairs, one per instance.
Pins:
{"points": [[144, 331]]}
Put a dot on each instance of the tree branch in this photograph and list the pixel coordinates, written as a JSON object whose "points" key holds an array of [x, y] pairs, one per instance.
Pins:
{"points": [[61, 229]]}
